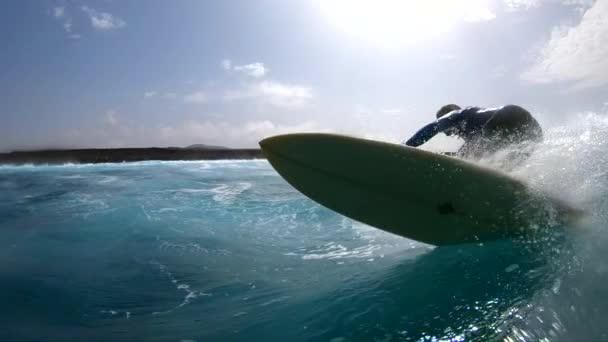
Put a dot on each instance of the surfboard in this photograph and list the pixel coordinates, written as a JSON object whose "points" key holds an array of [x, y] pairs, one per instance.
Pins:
{"points": [[420, 195]]}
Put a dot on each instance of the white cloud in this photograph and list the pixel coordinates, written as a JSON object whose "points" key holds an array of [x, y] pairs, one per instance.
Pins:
{"points": [[579, 3], [67, 26], [226, 64], [283, 95], [111, 118], [273, 93], [103, 21], [196, 97], [166, 95], [577, 54], [387, 124], [479, 14], [59, 11], [247, 134], [516, 5], [256, 70], [115, 130], [61, 15], [110, 131], [524, 5], [392, 111], [498, 72]]}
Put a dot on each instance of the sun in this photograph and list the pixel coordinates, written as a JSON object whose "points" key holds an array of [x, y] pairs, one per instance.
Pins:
{"points": [[395, 22]]}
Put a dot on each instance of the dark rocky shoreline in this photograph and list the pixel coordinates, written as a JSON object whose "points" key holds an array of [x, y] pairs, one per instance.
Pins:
{"points": [[120, 155]]}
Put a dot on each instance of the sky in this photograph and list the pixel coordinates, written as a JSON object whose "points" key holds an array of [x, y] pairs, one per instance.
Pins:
{"points": [[124, 73]]}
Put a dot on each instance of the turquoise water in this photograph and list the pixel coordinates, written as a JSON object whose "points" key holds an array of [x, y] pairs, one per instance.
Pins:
{"points": [[227, 251]]}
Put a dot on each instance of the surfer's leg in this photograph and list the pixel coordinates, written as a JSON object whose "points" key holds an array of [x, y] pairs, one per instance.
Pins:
{"points": [[473, 148], [511, 125], [513, 131]]}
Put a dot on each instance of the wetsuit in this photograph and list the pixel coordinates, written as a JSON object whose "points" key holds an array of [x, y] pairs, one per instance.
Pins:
{"points": [[483, 130]]}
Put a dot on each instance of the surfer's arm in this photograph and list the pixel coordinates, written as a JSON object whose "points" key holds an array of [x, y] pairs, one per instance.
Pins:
{"points": [[423, 135], [427, 132]]}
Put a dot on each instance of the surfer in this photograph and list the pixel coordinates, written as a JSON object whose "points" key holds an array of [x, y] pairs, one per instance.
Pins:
{"points": [[484, 131]]}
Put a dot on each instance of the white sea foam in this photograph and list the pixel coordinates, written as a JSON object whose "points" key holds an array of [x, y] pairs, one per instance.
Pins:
{"points": [[224, 193], [227, 193], [570, 164], [86, 205], [275, 300], [334, 250], [90, 200], [180, 286], [147, 214], [72, 177], [188, 247], [245, 163], [108, 179], [111, 312], [185, 191], [165, 210], [127, 314]]}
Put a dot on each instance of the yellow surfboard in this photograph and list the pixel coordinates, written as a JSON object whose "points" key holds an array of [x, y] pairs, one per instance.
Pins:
{"points": [[416, 194]]}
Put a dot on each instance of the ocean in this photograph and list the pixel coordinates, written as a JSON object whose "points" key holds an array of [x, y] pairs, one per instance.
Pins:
{"points": [[228, 251]]}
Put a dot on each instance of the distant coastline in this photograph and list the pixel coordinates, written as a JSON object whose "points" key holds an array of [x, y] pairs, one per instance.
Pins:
{"points": [[120, 155]]}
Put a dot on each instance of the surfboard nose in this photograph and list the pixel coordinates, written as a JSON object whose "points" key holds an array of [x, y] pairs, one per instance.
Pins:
{"points": [[285, 142], [275, 144], [275, 139], [265, 143], [302, 147]]}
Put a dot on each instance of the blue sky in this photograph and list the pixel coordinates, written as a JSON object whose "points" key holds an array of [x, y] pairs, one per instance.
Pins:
{"points": [[173, 73]]}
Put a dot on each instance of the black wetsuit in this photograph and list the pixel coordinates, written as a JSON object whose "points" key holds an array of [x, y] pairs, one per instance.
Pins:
{"points": [[483, 130]]}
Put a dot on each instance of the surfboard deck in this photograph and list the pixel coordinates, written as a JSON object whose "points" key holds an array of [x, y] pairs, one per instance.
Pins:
{"points": [[416, 194]]}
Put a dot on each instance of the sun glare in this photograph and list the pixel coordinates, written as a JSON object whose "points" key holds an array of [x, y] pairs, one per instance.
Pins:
{"points": [[393, 23]]}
